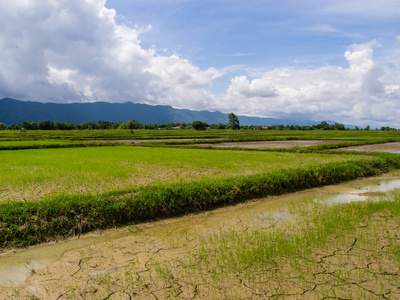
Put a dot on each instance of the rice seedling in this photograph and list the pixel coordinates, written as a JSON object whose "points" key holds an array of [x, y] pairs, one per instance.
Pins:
{"points": [[34, 174], [33, 221], [54, 193], [334, 254]]}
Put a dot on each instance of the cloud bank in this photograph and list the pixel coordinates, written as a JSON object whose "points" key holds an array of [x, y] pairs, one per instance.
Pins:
{"points": [[75, 51], [68, 51], [364, 92]]}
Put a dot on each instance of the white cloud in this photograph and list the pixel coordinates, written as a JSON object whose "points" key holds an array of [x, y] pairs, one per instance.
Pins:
{"points": [[74, 50], [322, 28], [240, 86], [68, 51], [365, 92]]}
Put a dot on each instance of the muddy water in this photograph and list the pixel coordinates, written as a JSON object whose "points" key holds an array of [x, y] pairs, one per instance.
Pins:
{"points": [[387, 147], [16, 267], [274, 144]]}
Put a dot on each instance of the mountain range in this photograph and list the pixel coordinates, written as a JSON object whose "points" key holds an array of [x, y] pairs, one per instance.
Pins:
{"points": [[14, 111]]}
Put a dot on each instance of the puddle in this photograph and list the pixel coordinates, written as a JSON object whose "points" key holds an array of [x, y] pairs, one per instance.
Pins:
{"points": [[361, 190], [15, 267]]}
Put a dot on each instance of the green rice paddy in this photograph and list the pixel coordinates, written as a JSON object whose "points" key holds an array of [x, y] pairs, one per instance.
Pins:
{"points": [[34, 174], [56, 192]]}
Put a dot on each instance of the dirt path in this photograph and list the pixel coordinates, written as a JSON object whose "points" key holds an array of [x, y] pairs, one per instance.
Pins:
{"points": [[150, 261]]}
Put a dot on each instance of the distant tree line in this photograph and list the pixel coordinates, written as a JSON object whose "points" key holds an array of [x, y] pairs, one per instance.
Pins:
{"points": [[233, 123], [90, 125]]}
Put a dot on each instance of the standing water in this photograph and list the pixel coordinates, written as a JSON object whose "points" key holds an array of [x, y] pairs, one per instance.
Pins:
{"points": [[17, 265]]}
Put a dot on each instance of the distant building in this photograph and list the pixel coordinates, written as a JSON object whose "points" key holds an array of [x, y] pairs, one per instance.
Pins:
{"points": [[176, 127]]}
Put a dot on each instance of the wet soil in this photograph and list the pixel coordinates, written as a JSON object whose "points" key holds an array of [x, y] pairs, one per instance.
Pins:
{"points": [[145, 261], [138, 141], [253, 145], [387, 147], [275, 144]]}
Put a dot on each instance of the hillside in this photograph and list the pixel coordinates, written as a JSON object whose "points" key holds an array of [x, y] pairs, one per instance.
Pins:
{"points": [[15, 111]]}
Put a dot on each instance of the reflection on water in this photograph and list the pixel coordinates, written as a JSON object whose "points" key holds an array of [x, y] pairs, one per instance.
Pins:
{"points": [[15, 267], [364, 193]]}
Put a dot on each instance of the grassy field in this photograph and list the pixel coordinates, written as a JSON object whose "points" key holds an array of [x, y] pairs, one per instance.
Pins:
{"points": [[34, 174], [347, 251], [79, 135], [49, 193]]}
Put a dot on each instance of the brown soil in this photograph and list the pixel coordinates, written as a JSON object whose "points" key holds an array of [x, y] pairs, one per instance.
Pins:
{"points": [[274, 144], [156, 266], [388, 147], [152, 261], [136, 141]]}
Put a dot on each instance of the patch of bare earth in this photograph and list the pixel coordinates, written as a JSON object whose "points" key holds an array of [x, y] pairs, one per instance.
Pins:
{"points": [[275, 144], [163, 261], [387, 147], [138, 141]]}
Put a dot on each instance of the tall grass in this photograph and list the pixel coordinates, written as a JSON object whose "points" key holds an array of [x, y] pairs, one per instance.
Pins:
{"points": [[24, 223]]}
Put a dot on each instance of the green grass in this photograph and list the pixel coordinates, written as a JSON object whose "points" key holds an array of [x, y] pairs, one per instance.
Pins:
{"points": [[8, 135], [293, 257], [346, 251], [34, 174], [74, 190], [24, 223], [28, 143]]}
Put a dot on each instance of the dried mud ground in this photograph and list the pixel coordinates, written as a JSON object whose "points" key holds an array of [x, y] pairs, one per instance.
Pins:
{"points": [[174, 258]]}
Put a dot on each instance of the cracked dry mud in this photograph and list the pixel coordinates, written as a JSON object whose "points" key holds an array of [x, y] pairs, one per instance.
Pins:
{"points": [[164, 260]]}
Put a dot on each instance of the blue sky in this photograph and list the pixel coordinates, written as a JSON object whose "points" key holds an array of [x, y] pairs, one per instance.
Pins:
{"points": [[305, 59], [260, 33]]}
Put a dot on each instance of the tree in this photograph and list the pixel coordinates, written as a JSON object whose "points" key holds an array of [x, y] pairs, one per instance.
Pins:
{"points": [[131, 125], [3, 126], [198, 125], [367, 128], [233, 121]]}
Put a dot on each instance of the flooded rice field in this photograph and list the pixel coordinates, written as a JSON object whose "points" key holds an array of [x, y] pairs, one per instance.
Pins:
{"points": [[52, 271], [387, 147], [139, 141], [274, 144]]}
